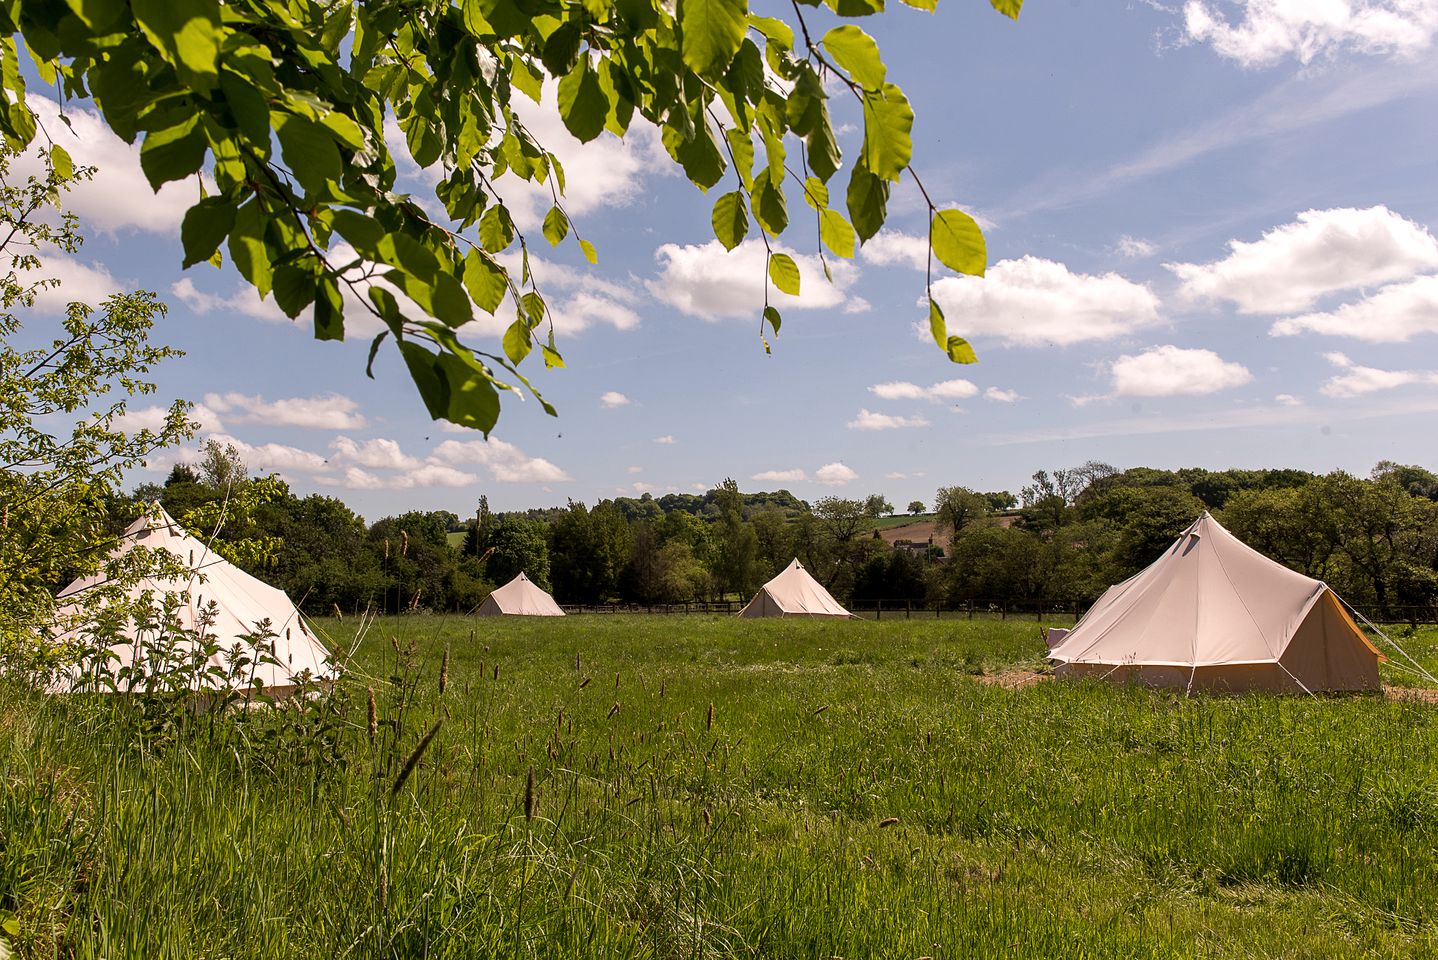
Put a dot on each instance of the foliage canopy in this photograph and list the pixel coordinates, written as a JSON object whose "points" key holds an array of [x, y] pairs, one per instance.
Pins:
{"points": [[278, 107]]}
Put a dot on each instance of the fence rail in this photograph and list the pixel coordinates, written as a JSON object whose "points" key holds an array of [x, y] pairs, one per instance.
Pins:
{"points": [[1038, 611]]}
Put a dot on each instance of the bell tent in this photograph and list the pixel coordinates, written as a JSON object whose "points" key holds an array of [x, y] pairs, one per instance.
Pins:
{"points": [[519, 598], [793, 593], [1212, 613], [216, 603]]}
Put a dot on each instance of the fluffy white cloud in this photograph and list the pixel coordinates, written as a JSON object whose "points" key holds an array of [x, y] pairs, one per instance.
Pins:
{"points": [[1002, 396], [578, 298], [1171, 371], [379, 453], [613, 398], [889, 248], [78, 283], [1322, 252], [505, 462], [1396, 313], [328, 412], [834, 475], [1287, 400], [869, 420], [1034, 302], [1273, 30], [273, 457], [1134, 247], [426, 475], [1357, 380], [153, 418], [781, 476], [666, 440], [119, 196], [244, 301], [945, 390], [709, 282]]}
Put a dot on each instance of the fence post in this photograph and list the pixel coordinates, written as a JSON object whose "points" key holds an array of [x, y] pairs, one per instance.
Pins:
{"points": [[908, 609], [1004, 610], [878, 610]]}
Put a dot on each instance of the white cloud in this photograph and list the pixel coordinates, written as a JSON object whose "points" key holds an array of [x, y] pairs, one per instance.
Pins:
{"points": [[119, 196], [869, 420], [1397, 312], [153, 418], [1033, 302], [379, 453], [896, 476], [1322, 252], [327, 412], [781, 476], [1134, 247], [633, 469], [834, 475], [709, 282], [426, 475], [1287, 400], [273, 457], [1355, 380], [945, 390], [666, 440], [889, 248], [1172, 371], [1273, 30], [506, 462], [613, 398], [79, 283], [244, 301], [1002, 396]]}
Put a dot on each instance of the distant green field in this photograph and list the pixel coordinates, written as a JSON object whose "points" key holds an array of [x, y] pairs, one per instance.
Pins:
{"points": [[456, 539], [709, 787], [901, 520]]}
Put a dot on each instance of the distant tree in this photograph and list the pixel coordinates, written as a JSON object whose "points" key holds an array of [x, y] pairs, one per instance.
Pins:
{"points": [[916, 507], [221, 466], [876, 505], [588, 550], [520, 546], [956, 508], [1000, 500], [182, 473]]}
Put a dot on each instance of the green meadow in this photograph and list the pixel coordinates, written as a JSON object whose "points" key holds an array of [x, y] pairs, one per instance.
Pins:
{"points": [[697, 787]]}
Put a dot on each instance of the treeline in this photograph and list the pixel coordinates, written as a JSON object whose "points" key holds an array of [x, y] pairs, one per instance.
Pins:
{"points": [[1064, 537]]}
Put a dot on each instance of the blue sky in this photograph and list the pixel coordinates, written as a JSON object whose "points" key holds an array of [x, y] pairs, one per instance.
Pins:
{"points": [[1210, 244]]}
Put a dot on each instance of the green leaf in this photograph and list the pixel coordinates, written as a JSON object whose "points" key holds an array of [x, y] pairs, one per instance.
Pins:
{"points": [[959, 351], [329, 311], [772, 315], [1009, 8], [295, 285], [937, 327], [868, 200], [775, 31], [582, 104], [816, 193], [310, 152], [928, 5], [731, 219], [249, 108], [590, 253], [174, 153], [247, 246], [888, 126], [742, 148], [958, 242], [525, 78], [856, 52], [205, 227], [556, 226], [60, 160], [699, 155], [187, 34], [485, 280], [98, 14], [836, 233], [496, 229], [770, 207], [785, 273], [711, 32], [517, 341], [533, 306]]}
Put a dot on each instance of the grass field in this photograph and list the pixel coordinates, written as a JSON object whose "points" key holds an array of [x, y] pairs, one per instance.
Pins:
{"points": [[684, 787]]}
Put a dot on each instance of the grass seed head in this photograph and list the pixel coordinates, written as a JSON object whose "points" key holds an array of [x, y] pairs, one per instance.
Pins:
{"points": [[444, 671], [709, 719], [373, 717], [529, 795]]}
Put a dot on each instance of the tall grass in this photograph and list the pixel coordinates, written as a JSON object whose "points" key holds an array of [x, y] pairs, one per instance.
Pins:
{"points": [[691, 787]]}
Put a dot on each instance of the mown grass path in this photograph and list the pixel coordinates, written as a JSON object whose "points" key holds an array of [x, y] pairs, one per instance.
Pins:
{"points": [[675, 787]]}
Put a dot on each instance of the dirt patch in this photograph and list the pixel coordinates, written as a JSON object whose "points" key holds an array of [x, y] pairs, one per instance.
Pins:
{"points": [[1425, 694], [1015, 679]]}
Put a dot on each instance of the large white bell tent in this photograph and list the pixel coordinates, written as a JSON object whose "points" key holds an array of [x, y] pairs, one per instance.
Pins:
{"points": [[215, 604], [1212, 613], [793, 593], [520, 597]]}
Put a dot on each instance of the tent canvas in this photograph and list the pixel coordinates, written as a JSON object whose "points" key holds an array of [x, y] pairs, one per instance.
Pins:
{"points": [[1213, 613], [793, 593], [240, 603], [519, 597]]}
